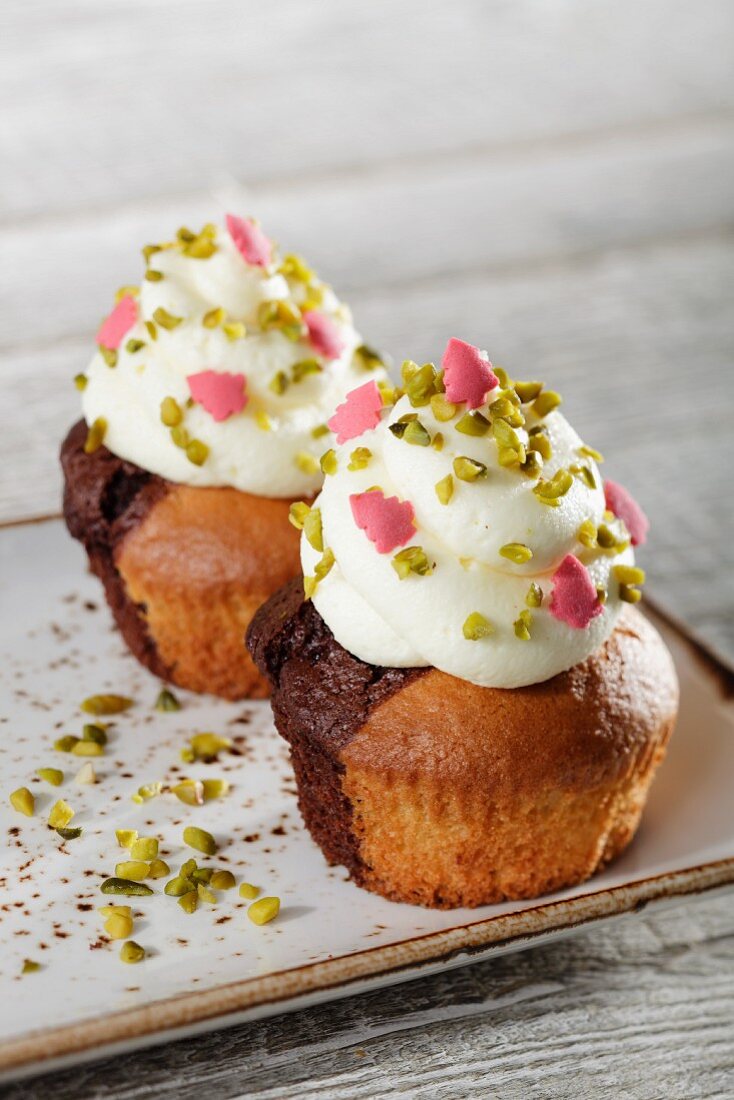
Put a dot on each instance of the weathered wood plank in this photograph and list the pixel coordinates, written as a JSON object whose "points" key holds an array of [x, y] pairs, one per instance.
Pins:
{"points": [[104, 103], [378, 231], [642, 1010]]}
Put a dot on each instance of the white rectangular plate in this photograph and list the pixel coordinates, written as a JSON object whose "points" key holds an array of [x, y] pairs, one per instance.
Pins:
{"points": [[57, 646]]}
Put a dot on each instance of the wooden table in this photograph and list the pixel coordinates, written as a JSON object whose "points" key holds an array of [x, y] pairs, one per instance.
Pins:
{"points": [[551, 180]]}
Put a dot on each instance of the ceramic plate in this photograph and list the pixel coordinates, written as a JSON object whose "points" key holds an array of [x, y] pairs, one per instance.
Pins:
{"points": [[216, 967]]}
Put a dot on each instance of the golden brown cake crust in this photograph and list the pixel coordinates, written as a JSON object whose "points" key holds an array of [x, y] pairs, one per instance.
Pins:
{"points": [[184, 569], [443, 793]]}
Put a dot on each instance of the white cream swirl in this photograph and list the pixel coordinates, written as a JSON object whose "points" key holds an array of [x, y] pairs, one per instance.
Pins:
{"points": [[419, 620], [272, 446]]}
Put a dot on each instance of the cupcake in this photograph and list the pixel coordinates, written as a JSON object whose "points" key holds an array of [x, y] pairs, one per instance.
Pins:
{"points": [[204, 416], [474, 705]]}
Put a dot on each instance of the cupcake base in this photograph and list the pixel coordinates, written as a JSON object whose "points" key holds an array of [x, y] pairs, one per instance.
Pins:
{"points": [[184, 569], [437, 792]]}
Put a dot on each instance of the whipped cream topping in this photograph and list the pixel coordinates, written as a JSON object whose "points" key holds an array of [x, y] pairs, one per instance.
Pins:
{"points": [[224, 365], [489, 555]]}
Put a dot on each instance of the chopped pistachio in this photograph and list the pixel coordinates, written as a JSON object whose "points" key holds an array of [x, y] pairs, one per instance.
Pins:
{"points": [[167, 701], [119, 926], [310, 584], [126, 837], [222, 880], [126, 292], [533, 464], [359, 459], [539, 441], [502, 375], [205, 893], [153, 276], [420, 384], [199, 839], [468, 469], [329, 463], [190, 791], [95, 436], [177, 886], [80, 381], [528, 391], [197, 452], [180, 437], [213, 318], [165, 319], [416, 434], [298, 513], [134, 869], [263, 421], [472, 423], [517, 552], [214, 788], [86, 774], [629, 594], [306, 463], [522, 626], [445, 489], [66, 743], [264, 910], [60, 815], [189, 901], [30, 967], [127, 887], [149, 790], [550, 491], [442, 409], [88, 748], [279, 383], [23, 801], [312, 529], [366, 358], [207, 746], [248, 891], [132, 952], [295, 267], [546, 402], [412, 559], [92, 732], [629, 574], [51, 775], [476, 626], [305, 367], [437, 441], [609, 541], [586, 534], [585, 473], [70, 833], [109, 355], [143, 848], [171, 412], [158, 869], [325, 565], [534, 596], [100, 705], [601, 593], [319, 431], [590, 452]]}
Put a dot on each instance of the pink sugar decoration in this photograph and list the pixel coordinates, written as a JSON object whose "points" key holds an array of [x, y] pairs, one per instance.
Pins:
{"points": [[387, 521], [626, 508], [574, 600], [323, 334], [115, 327], [360, 412], [466, 375], [220, 393], [251, 242]]}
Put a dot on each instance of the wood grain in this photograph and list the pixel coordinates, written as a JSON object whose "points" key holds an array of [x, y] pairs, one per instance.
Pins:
{"points": [[553, 181]]}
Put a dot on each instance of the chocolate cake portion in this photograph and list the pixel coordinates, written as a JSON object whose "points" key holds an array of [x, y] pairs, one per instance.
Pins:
{"points": [[105, 498], [318, 686]]}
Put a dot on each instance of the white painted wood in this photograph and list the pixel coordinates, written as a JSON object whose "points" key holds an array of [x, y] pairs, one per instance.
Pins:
{"points": [[553, 180]]}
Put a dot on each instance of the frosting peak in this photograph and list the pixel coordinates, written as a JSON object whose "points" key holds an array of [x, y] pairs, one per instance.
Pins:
{"points": [[468, 530], [224, 365]]}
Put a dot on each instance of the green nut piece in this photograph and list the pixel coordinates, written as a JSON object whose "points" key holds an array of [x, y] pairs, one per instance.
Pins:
{"points": [[476, 626], [522, 626], [442, 409], [126, 837], [106, 704], [546, 402], [516, 552], [88, 748], [528, 391], [297, 514], [171, 412], [366, 358], [222, 880], [132, 952], [420, 386], [628, 594], [95, 436], [468, 469], [133, 870], [534, 596], [199, 839], [165, 319], [445, 489], [66, 743], [329, 462], [189, 901], [197, 452], [23, 801], [416, 434], [60, 815], [119, 926], [312, 528], [91, 732], [412, 559], [264, 910], [167, 701], [359, 459], [51, 775], [629, 574], [472, 423], [586, 534], [127, 887], [145, 848], [177, 886], [248, 891]]}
